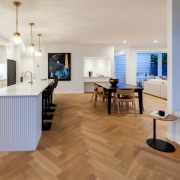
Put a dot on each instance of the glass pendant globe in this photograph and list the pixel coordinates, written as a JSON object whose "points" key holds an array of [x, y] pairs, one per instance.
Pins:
{"points": [[30, 50], [16, 42], [38, 53]]}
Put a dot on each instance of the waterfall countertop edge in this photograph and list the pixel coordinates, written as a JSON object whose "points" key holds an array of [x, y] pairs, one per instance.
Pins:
{"points": [[25, 88]]}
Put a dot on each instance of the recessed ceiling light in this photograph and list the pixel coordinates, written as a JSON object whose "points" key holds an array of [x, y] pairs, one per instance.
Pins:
{"points": [[124, 42], [155, 41]]}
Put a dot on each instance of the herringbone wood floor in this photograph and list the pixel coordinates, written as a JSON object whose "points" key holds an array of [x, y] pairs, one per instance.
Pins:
{"points": [[87, 144]]}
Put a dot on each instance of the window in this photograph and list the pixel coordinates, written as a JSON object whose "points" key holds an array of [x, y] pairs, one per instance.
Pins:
{"points": [[151, 65], [143, 67], [154, 65], [120, 67], [164, 64], [143, 64]]}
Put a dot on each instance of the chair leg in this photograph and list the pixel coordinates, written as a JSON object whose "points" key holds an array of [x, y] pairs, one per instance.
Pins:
{"points": [[118, 104], [127, 106], [101, 100], [114, 102], [135, 108], [92, 97], [95, 99]]}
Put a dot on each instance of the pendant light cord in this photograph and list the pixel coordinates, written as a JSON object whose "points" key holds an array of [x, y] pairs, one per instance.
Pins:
{"points": [[31, 35], [39, 42], [16, 18]]}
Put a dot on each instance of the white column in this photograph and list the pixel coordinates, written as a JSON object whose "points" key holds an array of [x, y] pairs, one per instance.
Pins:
{"points": [[131, 66], [173, 55], [173, 40], [159, 64]]}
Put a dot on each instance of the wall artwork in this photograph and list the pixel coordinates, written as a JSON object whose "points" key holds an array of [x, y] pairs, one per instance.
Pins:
{"points": [[59, 64]]}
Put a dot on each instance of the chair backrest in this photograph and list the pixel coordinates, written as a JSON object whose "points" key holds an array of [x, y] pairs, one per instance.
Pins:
{"points": [[100, 89], [127, 92], [95, 87]]}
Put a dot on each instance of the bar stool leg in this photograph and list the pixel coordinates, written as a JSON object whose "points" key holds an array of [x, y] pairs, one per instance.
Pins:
{"points": [[154, 129]]}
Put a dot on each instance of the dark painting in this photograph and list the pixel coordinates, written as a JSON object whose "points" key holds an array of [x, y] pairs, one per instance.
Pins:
{"points": [[59, 65]]}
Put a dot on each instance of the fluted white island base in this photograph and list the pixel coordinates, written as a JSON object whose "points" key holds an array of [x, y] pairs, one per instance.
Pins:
{"points": [[21, 117], [22, 127]]}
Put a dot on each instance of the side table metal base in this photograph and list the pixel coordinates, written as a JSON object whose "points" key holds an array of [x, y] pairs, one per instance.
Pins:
{"points": [[160, 145]]}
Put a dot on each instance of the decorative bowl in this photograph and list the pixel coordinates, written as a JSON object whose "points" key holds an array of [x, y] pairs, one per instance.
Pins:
{"points": [[113, 82]]}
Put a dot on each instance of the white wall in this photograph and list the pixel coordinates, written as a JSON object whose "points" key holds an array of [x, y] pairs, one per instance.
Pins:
{"points": [[131, 60], [3, 70], [3, 41], [78, 52], [27, 64]]}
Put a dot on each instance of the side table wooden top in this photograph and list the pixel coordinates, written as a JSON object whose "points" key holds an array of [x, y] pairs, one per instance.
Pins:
{"points": [[170, 117]]}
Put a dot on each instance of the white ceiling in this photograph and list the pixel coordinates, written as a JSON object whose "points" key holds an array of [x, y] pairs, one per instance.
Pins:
{"points": [[139, 22]]}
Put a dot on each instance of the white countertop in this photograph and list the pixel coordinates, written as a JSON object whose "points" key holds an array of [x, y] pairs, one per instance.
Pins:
{"points": [[96, 79], [25, 88]]}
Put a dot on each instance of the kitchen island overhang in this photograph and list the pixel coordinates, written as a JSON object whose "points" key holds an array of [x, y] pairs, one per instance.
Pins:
{"points": [[21, 115]]}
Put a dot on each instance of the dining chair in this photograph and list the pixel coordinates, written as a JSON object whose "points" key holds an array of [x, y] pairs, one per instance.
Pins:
{"points": [[102, 95], [94, 92], [124, 96]]}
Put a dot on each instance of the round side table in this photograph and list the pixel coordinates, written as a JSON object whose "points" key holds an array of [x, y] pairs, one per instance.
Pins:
{"points": [[159, 144]]}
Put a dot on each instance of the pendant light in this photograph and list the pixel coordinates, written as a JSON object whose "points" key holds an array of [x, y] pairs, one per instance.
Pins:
{"points": [[31, 49], [16, 40], [39, 52]]}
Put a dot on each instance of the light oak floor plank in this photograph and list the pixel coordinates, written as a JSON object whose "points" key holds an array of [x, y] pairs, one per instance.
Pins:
{"points": [[86, 143]]}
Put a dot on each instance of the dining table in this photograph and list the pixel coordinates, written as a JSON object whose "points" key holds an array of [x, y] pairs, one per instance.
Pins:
{"points": [[110, 89]]}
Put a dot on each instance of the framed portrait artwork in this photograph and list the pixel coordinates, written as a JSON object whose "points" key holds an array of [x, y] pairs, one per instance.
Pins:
{"points": [[59, 65]]}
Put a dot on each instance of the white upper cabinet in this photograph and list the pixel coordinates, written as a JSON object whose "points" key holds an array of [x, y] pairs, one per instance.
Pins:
{"points": [[3, 54]]}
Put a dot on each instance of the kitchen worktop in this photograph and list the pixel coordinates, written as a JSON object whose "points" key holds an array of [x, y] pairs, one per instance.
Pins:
{"points": [[96, 79], [25, 88]]}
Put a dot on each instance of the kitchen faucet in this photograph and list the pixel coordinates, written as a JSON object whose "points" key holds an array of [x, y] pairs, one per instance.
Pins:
{"points": [[30, 74]]}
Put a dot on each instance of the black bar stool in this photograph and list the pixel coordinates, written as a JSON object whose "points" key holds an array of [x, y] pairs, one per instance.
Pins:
{"points": [[55, 85], [45, 125]]}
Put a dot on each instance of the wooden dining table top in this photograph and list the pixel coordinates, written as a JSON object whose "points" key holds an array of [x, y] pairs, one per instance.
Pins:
{"points": [[108, 86]]}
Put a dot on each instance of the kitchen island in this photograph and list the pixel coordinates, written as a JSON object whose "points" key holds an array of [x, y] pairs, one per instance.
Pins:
{"points": [[21, 115]]}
